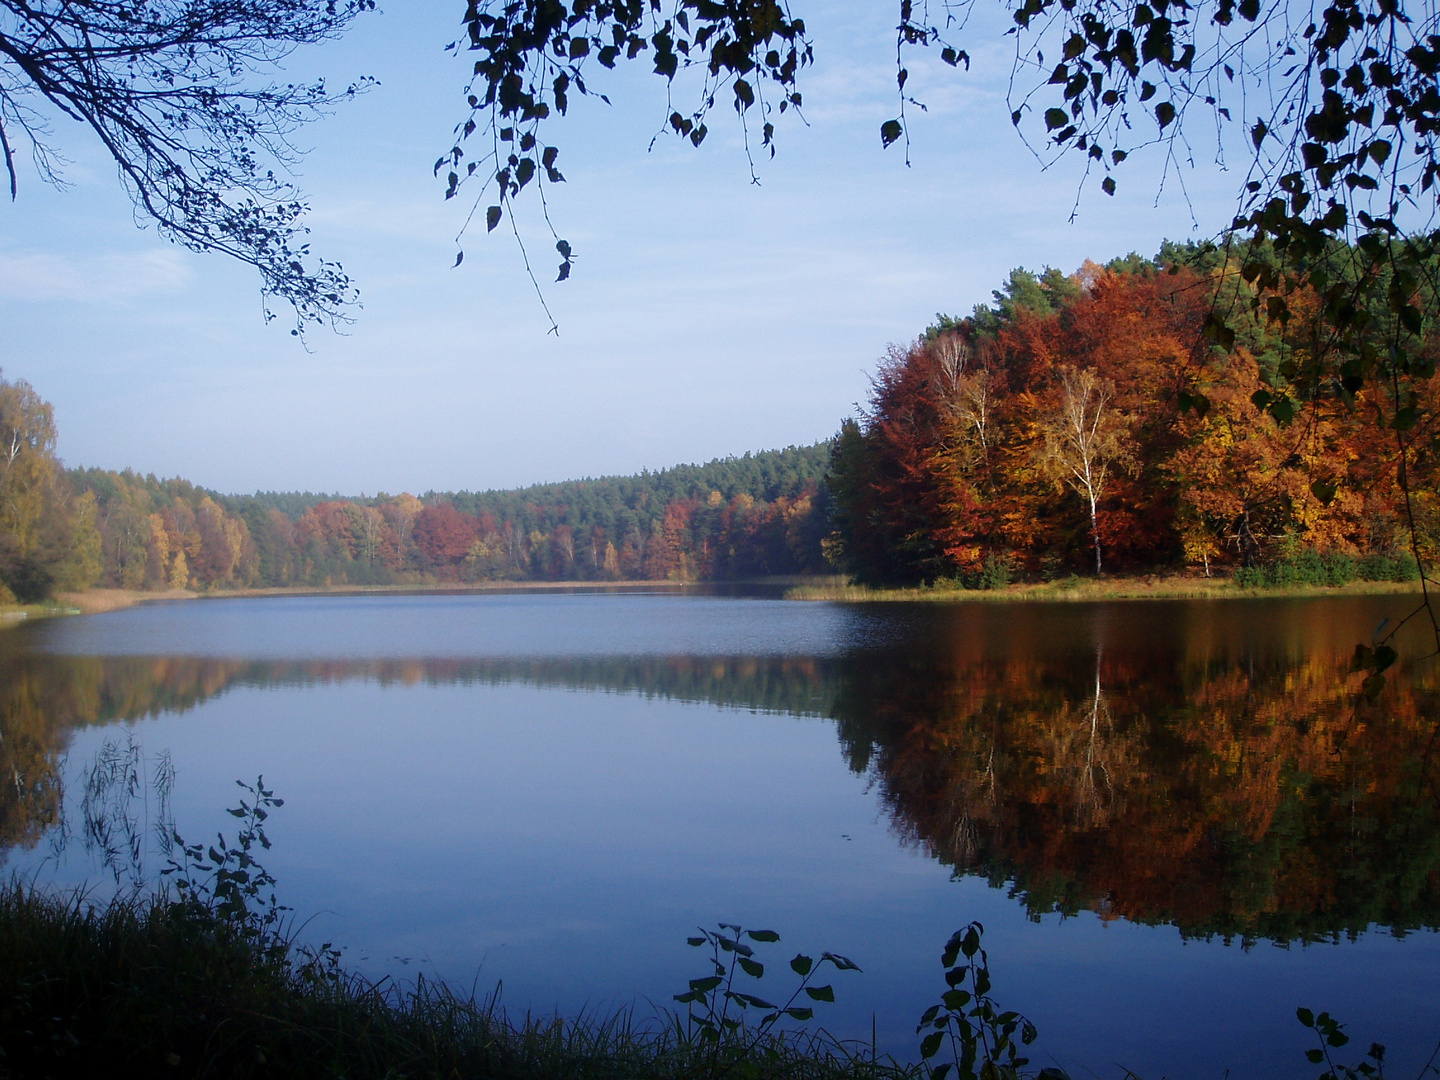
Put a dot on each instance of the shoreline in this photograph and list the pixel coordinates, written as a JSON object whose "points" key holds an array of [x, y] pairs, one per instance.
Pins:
{"points": [[832, 590], [1079, 590], [99, 601]]}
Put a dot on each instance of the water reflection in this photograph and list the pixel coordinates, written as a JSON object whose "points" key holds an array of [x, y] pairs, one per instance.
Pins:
{"points": [[1260, 800], [1203, 765]]}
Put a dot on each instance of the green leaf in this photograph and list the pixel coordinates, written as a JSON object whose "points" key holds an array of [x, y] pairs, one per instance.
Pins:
{"points": [[749, 999], [952, 950], [1184, 401], [890, 130], [695, 940], [762, 935], [752, 967], [842, 963], [820, 993], [1108, 185], [955, 1000], [801, 965], [492, 218], [1219, 332], [970, 943], [798, 1013], [931, 1044], [704, 986], [1056, 118], [1164, 114], [1323, 490]]}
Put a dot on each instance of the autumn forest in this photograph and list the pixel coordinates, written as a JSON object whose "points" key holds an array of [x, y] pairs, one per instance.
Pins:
{"points": [[1077, 424]]}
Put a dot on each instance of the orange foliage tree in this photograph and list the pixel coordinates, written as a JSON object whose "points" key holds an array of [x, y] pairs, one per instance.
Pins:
{"points": [[980, 435]]}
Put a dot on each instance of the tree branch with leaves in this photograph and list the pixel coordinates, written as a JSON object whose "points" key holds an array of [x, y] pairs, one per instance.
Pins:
{"points": [[177, 93]]}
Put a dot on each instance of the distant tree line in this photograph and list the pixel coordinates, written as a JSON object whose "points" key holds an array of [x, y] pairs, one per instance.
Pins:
{"points": [[1087, 422], [757, 515]]}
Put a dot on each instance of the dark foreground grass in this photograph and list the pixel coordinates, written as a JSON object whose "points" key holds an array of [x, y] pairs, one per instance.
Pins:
{"points": [[154, 987]]}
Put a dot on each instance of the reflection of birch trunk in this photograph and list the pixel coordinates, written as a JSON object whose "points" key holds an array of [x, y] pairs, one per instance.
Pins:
{"points": [[965, 835], [1089, 788]]}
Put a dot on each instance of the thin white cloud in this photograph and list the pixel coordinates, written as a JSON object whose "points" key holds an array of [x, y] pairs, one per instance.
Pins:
{"points": [[108, 278]]}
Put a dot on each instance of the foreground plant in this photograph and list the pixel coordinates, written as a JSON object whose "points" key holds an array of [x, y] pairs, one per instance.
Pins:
{"points": [[717, 1011], [1330, 1035], [982, 1039]]}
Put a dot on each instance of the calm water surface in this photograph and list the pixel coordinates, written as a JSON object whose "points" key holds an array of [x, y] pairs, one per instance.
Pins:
{"points": [[1174, 819]]}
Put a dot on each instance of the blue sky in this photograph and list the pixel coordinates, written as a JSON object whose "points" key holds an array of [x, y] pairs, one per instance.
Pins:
{"points": [[706, 316]]}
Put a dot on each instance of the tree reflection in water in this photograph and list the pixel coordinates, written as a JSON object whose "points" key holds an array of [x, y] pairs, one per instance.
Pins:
{"points": [[1161, 770]]}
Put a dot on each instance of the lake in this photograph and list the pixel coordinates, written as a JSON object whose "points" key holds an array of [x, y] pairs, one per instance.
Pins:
{"points": [[1177, 821]]}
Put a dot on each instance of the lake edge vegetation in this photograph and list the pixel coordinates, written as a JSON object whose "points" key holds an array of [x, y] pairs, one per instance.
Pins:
{"points": [[181, 985]]}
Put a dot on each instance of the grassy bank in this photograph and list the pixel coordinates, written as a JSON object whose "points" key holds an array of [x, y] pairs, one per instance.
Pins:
{"points": [[89, 602], [460, 587], [1146, 587], [96, 601], [164, 988], [14, 614]]}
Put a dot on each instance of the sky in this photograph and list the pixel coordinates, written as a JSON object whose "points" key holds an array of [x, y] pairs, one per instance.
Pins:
{"points": [[706, 315]]}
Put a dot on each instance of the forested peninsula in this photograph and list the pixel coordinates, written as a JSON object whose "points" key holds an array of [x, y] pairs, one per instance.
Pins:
{"points": [[1079, 424]]}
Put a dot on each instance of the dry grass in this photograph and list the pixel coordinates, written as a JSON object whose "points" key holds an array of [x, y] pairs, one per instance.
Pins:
{"points": [[95, 601]]}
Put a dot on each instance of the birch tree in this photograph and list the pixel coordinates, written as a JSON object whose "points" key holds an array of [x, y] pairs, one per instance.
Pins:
{"points": [[1085, 438]]}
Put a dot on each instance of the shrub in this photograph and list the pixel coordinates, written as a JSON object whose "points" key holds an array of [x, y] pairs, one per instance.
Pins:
{"points": [[1305, 566]]}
